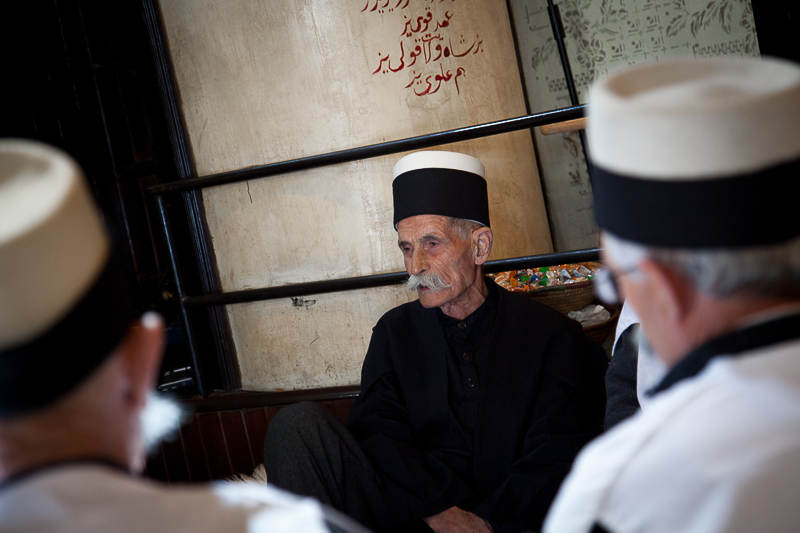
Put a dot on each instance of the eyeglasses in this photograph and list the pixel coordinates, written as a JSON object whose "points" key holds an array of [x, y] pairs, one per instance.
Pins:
{"points": [[606, 287]]}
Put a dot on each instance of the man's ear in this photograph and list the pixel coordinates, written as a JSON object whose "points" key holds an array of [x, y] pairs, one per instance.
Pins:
{"points": [[482, 240], [141, 352], [668, 290]]}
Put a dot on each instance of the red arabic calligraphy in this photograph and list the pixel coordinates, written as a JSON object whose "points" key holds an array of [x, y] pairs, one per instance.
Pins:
{"points": [[468, 50], [429, 52], [417, 81], [426, 40], [385, 5]]}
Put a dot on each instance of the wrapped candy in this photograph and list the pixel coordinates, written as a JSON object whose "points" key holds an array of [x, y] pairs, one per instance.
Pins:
{"points": [[532, 279]]}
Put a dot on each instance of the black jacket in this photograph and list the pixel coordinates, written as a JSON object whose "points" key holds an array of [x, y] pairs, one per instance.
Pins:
{"points": [[541, 400]]}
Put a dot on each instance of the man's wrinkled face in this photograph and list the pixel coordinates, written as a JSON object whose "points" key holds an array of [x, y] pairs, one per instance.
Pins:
{"points": [[430, 248]]}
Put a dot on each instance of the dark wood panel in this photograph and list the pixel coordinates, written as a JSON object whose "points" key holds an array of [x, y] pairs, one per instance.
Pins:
{"points": [[213, 438], [174, 457], [255, 424], [237, 444], [246, 399], [194, 451], [221, 444]]}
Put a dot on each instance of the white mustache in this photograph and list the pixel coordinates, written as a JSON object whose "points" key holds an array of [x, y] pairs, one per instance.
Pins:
{"points": [[431, 280], [160, 420]]}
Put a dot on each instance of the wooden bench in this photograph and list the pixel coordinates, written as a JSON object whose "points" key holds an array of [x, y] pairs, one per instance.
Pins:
{"points": [[220, 443]]}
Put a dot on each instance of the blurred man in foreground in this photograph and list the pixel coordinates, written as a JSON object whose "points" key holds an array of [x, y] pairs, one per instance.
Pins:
{"points": [[696, 174], [76, 375]]}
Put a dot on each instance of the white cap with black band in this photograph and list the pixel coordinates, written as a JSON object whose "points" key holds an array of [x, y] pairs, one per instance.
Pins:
{"points": [[64, 299], [698, 153], [449, 184]]}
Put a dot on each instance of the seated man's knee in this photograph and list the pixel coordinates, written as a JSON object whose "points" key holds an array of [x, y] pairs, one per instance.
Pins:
{"points": [[294, 423]]}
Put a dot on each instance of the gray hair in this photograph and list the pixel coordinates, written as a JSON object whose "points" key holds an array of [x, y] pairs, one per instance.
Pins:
{"points": [[463, 228], [763, 271]]}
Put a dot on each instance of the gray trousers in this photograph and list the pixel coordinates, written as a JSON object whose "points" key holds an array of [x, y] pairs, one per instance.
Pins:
{"points": [[308, 452]]}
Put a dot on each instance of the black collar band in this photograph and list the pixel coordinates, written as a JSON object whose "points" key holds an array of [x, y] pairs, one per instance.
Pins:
{"points": [[731, 344]]}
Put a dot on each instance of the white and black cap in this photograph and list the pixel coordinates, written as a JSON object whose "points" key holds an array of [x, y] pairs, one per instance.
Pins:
{"points": [[698, 153], [440, 183], [64, 300]]}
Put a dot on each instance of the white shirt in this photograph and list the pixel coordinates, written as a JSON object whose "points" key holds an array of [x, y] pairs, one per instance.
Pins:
{"points": [[716, 452], [88, 497], [649, 368]]}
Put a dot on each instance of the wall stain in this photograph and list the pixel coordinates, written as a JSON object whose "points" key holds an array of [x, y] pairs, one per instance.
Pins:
{"points": [[300, 302]]}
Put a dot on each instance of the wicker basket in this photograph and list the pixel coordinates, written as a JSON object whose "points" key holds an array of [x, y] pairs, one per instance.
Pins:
{"points": [[566, 298]]}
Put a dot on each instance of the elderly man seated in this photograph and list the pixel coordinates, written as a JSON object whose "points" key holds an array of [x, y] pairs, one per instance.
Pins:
{"points": [[474, 401], [76, 374], [696, 178]]}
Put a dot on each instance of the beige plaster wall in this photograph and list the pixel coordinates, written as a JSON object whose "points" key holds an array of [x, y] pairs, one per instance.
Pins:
{"points": [[268, 81]]}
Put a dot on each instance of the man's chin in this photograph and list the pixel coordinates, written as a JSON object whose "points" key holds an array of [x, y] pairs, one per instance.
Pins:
{"points": [[429, 298]]}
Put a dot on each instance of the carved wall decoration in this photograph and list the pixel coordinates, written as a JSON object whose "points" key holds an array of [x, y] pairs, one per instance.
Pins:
{"points": [[602, 35]]}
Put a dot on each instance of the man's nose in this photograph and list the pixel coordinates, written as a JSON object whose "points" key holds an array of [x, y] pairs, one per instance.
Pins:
{"points": [[418, 263]]}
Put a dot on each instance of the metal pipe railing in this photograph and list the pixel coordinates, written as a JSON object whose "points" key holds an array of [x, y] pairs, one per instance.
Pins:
{"points": [[379, 280], [374, 150]]}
